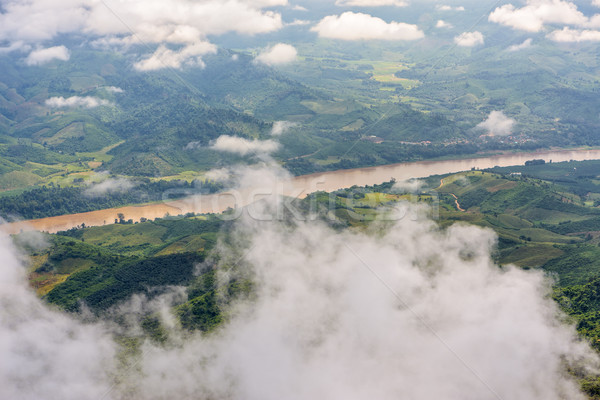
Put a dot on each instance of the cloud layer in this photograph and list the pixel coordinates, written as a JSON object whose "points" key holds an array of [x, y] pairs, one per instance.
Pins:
{"points": [[336, 315], [350, 316], [178, 32], [359, 26], [183, 23], [179, 21]]}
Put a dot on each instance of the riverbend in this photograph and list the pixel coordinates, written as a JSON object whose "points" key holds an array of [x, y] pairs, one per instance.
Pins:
{"points": [[298, 187]]}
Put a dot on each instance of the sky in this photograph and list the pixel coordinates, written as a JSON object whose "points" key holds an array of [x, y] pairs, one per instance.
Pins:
{"points": [[178, 33]]}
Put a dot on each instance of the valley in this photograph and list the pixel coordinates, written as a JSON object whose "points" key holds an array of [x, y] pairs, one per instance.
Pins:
{"points": [[300, 199], [545, 216]]}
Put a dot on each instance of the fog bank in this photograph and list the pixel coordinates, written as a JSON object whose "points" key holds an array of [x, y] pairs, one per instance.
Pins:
{"points": [[402, 311]]}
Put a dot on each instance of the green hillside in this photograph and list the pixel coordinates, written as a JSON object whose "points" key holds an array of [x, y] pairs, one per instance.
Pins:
{"points": [[540, 219], [160, 124], [540, 223]]}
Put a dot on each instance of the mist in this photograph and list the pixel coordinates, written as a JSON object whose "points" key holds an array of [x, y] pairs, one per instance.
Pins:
{"points": [[407, 311], [110, 185], [46, 354], [409, 186], [402, 309], [241, 146], [76, 101], [281, 127], [497, 124]]}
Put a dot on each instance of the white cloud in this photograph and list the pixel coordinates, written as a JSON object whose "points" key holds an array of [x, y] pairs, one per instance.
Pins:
{"points": [[525, 45], [538, 13], [442, 24], [298, 22], [469, 39], [278, 54], [113, 89], [152, 20], [567, 35], [596, 3], [359, 26], [118, 185], [371, 3], [445, 7], [76, 101], [164, 57], [241, 146], [176, 22], [299, 8], [280, 127], [43, 56], [37, 20], [497, 124]]}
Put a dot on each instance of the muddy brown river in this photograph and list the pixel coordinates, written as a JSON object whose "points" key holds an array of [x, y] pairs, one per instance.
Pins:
{"points": [[299, 186]]}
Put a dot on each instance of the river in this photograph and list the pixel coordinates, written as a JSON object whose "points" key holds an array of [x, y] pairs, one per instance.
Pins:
{"points": [[299, 186]]}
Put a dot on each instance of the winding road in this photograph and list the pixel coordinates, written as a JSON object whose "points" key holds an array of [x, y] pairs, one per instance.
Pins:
{"points": [[458, 207]]}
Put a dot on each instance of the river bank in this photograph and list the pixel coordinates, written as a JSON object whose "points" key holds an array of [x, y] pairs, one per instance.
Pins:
{"points": [[299, 186]]}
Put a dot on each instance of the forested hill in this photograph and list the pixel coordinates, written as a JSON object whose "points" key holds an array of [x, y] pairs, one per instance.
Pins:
{"points": [[96, 113], [547, 217]]}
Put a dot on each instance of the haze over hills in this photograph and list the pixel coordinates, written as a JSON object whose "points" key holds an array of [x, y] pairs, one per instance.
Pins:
{"points": [[481, 284], [149, 104]]}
